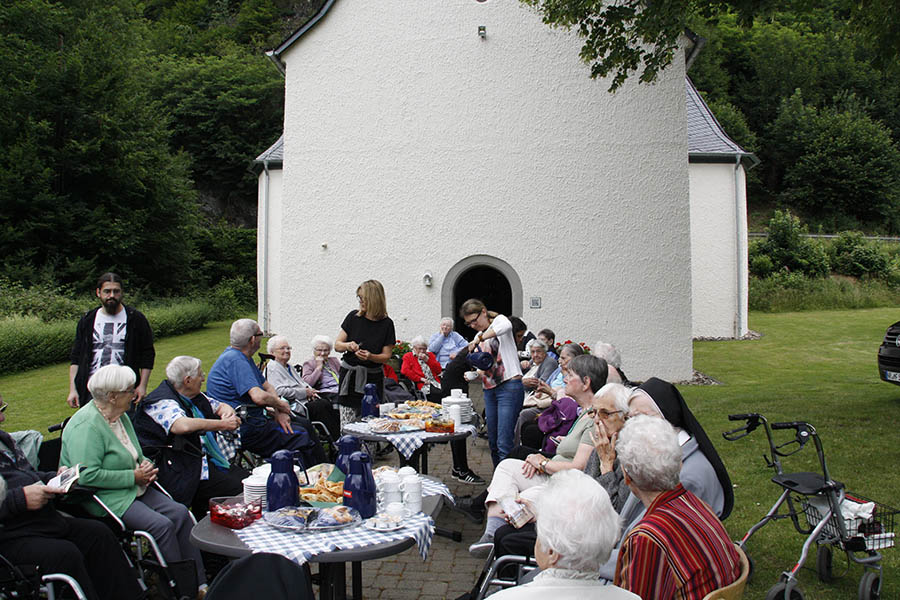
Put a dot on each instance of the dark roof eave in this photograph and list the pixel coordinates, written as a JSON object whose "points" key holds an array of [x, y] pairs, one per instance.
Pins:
{"points": [[275, 54], [747, 159]]}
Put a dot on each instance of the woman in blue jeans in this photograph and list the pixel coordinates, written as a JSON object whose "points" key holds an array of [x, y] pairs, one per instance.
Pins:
{"points": [[503, 390]]}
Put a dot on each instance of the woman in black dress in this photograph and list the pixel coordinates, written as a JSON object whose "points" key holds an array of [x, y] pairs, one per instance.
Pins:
{"points": [[366, 338]]}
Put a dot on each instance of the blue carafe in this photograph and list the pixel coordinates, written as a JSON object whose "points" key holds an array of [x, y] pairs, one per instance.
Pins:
{"points": [[359, 486], [370, 401], [347, 445], [282, 487]]}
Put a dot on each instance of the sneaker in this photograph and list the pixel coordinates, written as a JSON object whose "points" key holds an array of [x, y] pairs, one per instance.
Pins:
{"points": [[467, 476], [474, 511], [482, 548]]}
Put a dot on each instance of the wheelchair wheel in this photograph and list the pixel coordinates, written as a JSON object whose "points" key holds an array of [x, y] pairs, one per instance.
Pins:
{"points": [[752, 568], [776, 592], [869, 586], [824, 563]]}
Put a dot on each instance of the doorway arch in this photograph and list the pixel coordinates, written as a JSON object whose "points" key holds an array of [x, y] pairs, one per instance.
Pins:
{"points": [[481, 276]]}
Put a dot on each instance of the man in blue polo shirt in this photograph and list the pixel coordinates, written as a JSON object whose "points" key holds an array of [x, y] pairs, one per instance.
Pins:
{"points": [[235, 380]]}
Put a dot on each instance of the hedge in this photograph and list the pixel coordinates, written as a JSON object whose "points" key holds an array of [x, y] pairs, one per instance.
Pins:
{"points": [[27, 342]]}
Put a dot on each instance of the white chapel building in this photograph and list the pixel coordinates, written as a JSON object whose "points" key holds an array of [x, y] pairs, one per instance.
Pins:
{"points": [[459, 149]]}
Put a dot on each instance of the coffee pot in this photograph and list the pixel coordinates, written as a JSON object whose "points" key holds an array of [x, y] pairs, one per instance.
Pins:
{"points": [[359, 486], [347, 445], [282, 487], [370, 401]]}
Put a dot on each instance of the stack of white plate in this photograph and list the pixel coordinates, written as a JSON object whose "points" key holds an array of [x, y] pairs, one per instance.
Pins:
{"points": [[255, 488], [465, 406]]}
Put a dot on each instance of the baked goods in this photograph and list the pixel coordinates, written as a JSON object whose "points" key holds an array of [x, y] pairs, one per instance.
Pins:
{"points": [[424, 403], [336, 515], [384, 425], [439, 425], [323, 491]]}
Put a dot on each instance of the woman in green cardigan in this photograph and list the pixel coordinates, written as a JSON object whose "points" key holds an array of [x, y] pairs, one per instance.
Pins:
{"points": [[101, 439]]}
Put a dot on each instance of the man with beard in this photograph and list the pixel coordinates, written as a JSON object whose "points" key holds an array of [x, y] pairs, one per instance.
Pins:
{"points": [[112, 333]]}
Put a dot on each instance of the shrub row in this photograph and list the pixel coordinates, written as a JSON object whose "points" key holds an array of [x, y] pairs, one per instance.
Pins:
{"points": [[27, 341], [788, 292]]}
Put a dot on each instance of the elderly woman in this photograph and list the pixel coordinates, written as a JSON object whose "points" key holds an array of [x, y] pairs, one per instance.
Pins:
{"points": [[292, 387], [587, 374], [576, 530], [446, 343], [423, 369], [321, 371], [613, 358], [366, 338], [101, 439], [527, 431]]}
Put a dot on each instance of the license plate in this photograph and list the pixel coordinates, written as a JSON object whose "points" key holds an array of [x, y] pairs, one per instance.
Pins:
{"points": [[891, 376]]}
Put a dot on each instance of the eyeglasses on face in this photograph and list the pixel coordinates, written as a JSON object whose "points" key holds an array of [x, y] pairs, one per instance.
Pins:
{"points": [[469, 322], [602, 412]]}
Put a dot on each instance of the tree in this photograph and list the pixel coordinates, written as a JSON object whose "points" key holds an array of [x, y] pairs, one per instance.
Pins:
{"points": [[87, 181], [623, 37]]}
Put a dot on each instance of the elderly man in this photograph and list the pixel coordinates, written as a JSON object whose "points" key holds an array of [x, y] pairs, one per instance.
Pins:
{"points": [[35, 533], [112, 334], [177, 427], [679, 549], [576, 530], [446, 343], [235, 380]]}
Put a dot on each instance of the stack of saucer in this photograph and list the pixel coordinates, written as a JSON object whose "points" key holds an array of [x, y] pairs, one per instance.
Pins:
{"points": [[465, 406], [255, 488]]}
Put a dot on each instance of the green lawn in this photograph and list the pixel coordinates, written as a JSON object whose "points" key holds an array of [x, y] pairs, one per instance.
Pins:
{"points": [[819, 367], [815, 366]]}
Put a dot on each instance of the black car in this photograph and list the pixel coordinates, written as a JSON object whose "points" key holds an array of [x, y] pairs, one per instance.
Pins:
{"points": [[889, 355]]}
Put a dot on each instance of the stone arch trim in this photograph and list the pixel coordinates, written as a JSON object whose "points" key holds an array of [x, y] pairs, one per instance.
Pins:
{"points": [[479, 260]]}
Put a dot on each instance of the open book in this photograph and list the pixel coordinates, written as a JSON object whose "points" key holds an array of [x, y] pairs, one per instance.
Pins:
{"points": [[66, 479]]}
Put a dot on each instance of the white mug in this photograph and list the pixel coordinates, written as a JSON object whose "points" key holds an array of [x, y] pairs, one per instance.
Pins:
{"points": [[470, 375], [412, 494], [456, 415], [404, 472], [456, 393], [395, 509], [386, 407]]}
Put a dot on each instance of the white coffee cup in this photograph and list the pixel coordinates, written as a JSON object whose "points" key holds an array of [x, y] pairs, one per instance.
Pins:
{"points": [[456, 415], [412, 494], [386, 407], [395, 509], [470, 375], [405, 471], [456, 393], [389, 481]]}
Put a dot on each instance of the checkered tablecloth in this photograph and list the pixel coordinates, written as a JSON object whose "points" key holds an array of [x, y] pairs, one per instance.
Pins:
{"points": [[406, 443], [301, 547]]}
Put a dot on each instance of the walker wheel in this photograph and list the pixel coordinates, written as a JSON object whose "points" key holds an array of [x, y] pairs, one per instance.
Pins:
{"points": [[824, 557], [776, 592], [869, 586]]}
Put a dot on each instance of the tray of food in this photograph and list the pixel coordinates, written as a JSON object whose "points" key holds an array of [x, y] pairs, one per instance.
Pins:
{"points": [[323, 491], [390, 425], [385, 522], [408, 411], [311, 520]]}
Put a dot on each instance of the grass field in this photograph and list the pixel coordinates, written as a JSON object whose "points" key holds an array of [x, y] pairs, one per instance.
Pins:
{"points": [[814, 366]]}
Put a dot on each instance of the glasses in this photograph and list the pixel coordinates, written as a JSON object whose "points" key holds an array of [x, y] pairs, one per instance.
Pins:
{"points": [[604, 414], [470, 322], [131, 394], [258, 334]]}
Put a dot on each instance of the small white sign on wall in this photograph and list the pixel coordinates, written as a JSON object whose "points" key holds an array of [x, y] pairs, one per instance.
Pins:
{"points": [[535, 302]]}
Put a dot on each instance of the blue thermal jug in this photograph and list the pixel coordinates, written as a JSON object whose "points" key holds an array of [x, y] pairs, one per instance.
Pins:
{"points": [[282, 487], [359, 486], [370, 401], [347, 445]]}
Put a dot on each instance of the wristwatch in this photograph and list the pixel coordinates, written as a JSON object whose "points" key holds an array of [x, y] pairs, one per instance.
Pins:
{"points": [[544, 465]]}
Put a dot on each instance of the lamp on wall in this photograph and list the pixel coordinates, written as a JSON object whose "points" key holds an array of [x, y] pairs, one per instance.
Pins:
{"points": [[427, 278], [482, 31]]}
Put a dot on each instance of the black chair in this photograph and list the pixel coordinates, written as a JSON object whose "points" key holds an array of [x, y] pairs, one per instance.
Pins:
{"points": [[262, 576]]}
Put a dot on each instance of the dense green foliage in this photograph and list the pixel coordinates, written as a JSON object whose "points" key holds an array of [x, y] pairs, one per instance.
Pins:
{"points": [[787, 249]]}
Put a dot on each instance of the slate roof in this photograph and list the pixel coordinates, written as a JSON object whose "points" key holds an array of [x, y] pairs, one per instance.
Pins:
{"points": [[706, 138], [274, 155]]}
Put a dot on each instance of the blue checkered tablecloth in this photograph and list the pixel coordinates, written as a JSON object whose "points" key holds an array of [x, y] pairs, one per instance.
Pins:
{"points": [[301, 547], [407, 442]]}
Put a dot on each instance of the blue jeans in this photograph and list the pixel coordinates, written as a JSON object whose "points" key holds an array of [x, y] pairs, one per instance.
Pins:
{"points": [[502, 406]]}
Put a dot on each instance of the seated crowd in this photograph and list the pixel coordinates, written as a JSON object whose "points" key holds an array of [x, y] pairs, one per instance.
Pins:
{"points": [[609, 471]]}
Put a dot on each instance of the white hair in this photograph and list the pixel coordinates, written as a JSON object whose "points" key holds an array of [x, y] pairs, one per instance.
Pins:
{"points": [[619, 395], [419, 340], [181, 367], [448, 320], [577, 520], [609, 353], [241, 332], [274, 342], [649, 453], [537, 342], [111, 378], [322, 339]]}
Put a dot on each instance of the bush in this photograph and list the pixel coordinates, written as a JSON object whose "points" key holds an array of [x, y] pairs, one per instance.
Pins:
{"points": [[233, 297], [851, 254], [27, 341], [46, 302], [788, 292], [788, 249]]}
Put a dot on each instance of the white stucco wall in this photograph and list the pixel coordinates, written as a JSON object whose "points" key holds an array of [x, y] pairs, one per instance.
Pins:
{"points": [[411, 143], [719, 250]]}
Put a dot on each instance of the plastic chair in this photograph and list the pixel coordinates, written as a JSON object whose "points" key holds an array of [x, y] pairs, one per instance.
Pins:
{"points": [[262, 575], [735, 590]]}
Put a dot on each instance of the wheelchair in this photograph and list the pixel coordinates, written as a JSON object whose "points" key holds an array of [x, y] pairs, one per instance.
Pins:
{"points": [[27, 582]]}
